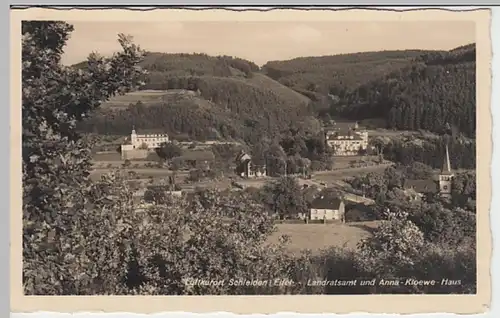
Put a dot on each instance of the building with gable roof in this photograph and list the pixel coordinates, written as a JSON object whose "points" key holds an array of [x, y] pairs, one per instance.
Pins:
{"points": [[346, 140], [327, 207], [246, 169]]}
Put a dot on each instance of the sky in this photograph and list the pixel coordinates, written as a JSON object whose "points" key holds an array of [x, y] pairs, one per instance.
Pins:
{"points": [[261, 41]]}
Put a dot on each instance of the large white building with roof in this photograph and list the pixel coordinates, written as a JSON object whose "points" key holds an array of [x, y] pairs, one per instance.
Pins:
{"points": [[347, 141], [145, 141]]}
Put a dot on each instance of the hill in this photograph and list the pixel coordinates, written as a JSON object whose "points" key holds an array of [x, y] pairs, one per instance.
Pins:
{"points": [[200, 97], [436, 92], [337, 74]]}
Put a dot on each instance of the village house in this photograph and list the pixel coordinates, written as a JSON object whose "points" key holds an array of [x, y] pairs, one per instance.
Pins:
{"points": [[417, 189], [326, 208], [246, 169], [346, 140]]}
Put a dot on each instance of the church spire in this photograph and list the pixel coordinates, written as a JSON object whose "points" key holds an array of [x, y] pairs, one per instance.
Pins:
{"points": [[446, 163]]}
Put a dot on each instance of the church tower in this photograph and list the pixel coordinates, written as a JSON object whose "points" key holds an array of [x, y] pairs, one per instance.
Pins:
{"points": [[446, 177], [133, 137]]}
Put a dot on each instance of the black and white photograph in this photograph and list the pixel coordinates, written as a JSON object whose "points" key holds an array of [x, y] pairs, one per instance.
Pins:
{"points": [[239, 157]]}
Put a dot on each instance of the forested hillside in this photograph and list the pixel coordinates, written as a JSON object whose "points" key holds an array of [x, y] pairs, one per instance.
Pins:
{"points": [[436, 93], [228, 97], [223, 98], [337, 74]]}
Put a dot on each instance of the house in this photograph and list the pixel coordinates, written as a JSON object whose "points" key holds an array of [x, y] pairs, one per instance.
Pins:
{"points": [[421, 187], [346, 141], [326, 207], [247, 169]]}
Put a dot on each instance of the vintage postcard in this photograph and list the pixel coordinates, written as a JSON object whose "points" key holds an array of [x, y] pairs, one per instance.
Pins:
{"points": [[250, 161]]}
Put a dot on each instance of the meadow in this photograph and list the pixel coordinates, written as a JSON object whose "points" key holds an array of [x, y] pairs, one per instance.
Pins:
{"points": [[145, 97], [320, 236]]}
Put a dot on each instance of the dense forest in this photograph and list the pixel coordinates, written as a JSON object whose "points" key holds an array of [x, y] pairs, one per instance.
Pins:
{"points": [[337, 74], [436, 93]]}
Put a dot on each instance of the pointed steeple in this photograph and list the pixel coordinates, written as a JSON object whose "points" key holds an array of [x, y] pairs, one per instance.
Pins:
{"points": [[446, 163], [133, 129]]}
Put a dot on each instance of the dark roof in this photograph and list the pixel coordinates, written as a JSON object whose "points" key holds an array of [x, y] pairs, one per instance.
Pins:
{"points": [[342, 125], [421, 186], [242, 157], [326, 202], [198, 155]]}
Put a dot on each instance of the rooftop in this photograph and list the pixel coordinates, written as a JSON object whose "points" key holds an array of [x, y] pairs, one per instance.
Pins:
{"points": [[242, 157], [326, 202], [344, 135], [421, 186]]}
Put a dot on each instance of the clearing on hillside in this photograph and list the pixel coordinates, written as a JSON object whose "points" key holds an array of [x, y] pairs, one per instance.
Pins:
{"points": [[146, 97]]}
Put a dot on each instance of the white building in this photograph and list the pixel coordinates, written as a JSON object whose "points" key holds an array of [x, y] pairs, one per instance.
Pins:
{"points": [[347, 142], [145, 141], [327, 208]]}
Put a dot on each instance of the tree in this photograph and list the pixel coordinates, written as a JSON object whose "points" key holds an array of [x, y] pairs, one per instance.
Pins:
{"points": [[285, 198], [156, 195], [395, 243], [57, 193], [168, 150], [464, 189], [211, 235], [276, 160], [418, 170]]}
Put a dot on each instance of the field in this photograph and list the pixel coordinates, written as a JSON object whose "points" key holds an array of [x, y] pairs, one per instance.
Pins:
{"points": [[336, 175], [319, 236], [146, 97]]}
